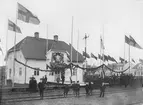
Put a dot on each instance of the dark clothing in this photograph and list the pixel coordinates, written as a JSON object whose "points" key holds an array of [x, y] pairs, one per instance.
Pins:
{"points": [[90, 88], [41, 89], [102, 90], [63, 79], [66, 90], [32, 85], [87, 89], [77, 89]]}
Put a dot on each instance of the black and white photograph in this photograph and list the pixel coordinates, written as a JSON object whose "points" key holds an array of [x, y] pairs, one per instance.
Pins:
{"points": [[71, 52]]}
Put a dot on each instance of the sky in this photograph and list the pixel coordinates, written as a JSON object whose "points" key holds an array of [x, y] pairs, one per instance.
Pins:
{"points": [[112, 19]]}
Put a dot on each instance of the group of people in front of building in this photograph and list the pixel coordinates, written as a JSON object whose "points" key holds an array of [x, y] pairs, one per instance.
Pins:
{"points": [[75, 87]]}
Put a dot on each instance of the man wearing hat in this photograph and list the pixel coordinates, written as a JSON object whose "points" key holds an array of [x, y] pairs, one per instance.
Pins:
{"points": [[41, 88]]}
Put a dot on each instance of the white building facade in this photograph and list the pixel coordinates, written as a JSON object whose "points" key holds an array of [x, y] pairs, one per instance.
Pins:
{"points": [[22, 73]]}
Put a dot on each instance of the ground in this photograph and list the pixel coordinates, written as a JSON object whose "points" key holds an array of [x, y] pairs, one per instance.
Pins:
{"points": [[132, 97]]}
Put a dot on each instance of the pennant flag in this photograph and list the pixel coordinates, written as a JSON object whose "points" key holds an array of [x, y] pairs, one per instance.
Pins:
{"points": [[113, 59], [105, 58], [101, 43], [100, 57], [86, 55], [141, 60], [121, 59], [134, 43], [93, 56], [13, 27], [133, 60], [127, 40], [27, 16]]}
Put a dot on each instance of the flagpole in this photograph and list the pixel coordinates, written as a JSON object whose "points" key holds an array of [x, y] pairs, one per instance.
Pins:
{"points": [[71, 44], [14, 48], [6, 49], [124, 53], [47, 42], [103, 50], [77, 52], [129, 59]]}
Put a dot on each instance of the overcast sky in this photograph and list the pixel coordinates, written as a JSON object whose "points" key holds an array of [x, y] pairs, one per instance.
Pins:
{"points": [[119, 17]]}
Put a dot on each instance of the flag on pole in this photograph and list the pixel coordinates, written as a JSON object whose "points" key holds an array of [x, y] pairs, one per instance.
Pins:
{"points": [[141, 60], [105, 57], [121, 59], [101, 43], [13, 27], [133, 60], [93, 56], [27, 16], [127, 40], [100, 57], [86, 55], [113, 59], [134, 43]]}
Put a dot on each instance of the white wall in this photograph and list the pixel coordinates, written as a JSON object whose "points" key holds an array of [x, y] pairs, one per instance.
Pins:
{"points": [[9, 65], [36, 64]]}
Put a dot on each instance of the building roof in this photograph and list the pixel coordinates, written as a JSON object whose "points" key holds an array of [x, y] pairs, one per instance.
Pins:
{"points": [[35, 48]]}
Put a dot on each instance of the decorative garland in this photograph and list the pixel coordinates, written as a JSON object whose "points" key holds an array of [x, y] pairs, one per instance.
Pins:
{"points": [[71, 65]]}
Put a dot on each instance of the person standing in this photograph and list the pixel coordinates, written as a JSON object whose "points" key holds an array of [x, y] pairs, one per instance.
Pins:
{"points": [[41, 88], [66, 90], [87, 89], [77, 89], [102, 89]]}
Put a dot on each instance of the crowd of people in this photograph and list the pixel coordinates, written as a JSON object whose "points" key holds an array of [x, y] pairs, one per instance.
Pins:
{"points": [[123, 79]]}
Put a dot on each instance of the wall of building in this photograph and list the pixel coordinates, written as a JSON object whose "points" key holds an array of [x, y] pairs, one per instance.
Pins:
{"points": [[19, 69], [23, 74]]}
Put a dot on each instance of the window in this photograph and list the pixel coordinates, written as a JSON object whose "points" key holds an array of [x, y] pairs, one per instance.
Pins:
{"points": [[9, 72], [20, 71], [36, 72], [74, 71], [51, 73]]}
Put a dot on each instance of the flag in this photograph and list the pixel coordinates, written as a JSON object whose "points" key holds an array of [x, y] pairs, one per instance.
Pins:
{"points": [[134, 43], [100, 57], [101, 43], [86, 55], [121, 59], [105, 57], [93, 56], [127, 40], [13, 27], [110, 58], [133, 60], [27, 16], [141, 60], [113, 59]]}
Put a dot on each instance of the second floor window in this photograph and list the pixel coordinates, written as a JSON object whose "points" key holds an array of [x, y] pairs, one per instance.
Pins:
{"points": [[36, 72]]}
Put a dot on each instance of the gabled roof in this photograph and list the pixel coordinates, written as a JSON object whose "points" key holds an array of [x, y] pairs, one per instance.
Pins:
{"points": [[35, 48]]}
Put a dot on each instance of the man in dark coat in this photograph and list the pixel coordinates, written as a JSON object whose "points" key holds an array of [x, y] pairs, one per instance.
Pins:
{"points": [[41, 88], [87, 89], [66, 90], [63, 79]]}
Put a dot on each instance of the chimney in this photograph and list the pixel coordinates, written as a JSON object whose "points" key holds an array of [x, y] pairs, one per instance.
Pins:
{"points": [[36, 34], [55, 37]]}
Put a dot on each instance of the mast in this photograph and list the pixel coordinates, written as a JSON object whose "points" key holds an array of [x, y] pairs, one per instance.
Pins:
{"points": [[14, 47]]}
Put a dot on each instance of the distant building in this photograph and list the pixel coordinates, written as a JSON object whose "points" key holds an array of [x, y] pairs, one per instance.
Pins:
{"points": [[35, 52]]}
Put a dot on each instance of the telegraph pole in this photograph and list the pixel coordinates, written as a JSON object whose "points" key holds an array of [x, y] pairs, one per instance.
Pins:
{"points": [[85, 38]]}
